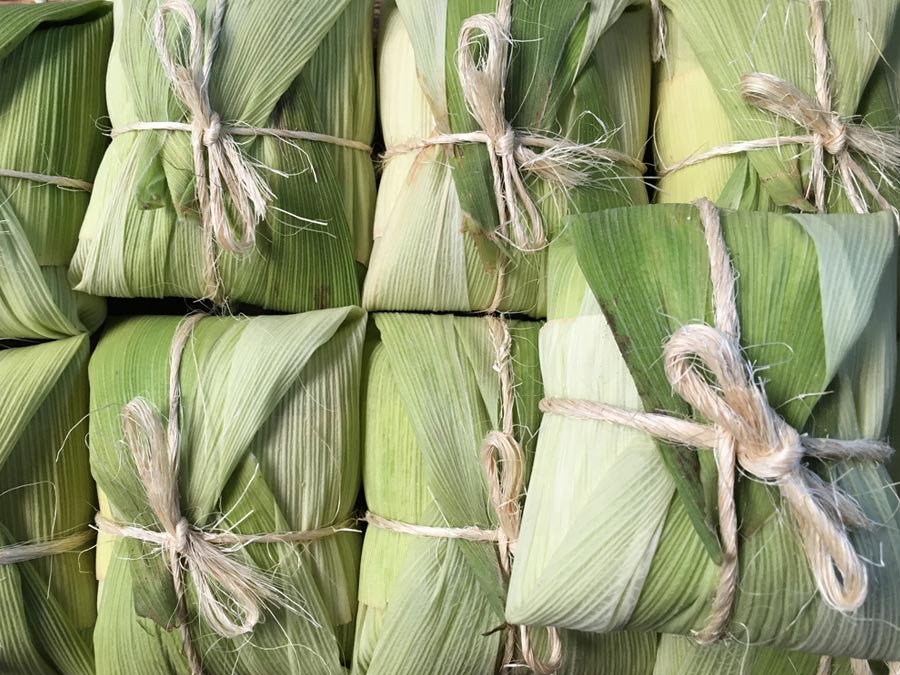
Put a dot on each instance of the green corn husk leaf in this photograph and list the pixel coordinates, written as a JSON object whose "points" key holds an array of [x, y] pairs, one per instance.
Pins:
{"points": [[711, 44], [679, 655], [816, 298], [430, 604], [51, 98], [436, 207], [270, 444], [47, 605], [289, 64]]}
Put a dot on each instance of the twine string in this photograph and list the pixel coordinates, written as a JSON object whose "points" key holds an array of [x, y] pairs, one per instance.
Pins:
{"points": [[14, 554], [706, 368], [59, 181]]}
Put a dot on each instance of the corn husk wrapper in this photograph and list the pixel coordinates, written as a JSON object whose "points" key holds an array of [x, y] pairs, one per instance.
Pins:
{"points": [[283, 64], [47, 605], [430, 604], [816, 302], [270, 444], [711, 45], [436, 208], [51, 98]]}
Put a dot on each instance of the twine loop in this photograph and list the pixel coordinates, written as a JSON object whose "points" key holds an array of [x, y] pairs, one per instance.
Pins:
{"points": [[220, 166], [706, 367]]}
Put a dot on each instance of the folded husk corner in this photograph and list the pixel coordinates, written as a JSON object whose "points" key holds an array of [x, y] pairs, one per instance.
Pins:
{"points": [[48, 604], [816, 300], [431, 604], [270, 444], [284, 64], [583, 75], [54, 58]]}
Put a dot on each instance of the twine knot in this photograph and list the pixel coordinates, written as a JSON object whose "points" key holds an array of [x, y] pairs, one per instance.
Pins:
{"points": [[835, 138], [212, 131], [181, 539], [505, 145], [766, 446]]}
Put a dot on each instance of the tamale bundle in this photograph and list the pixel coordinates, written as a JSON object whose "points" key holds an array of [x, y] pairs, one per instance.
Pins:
{"points": [[779, 104], [449, 436], [499, 118], [227, 454], [47, 587], [633, 482], [239, 168], [53, 57]]}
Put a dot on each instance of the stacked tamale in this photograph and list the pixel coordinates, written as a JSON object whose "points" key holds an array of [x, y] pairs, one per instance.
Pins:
{"points": [[622, 400], [51, 98], [308, 70], [269, 444]]}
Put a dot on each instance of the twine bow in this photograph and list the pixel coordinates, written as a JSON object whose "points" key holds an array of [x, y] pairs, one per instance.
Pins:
{"points": [[745, 429], [231, 594]]}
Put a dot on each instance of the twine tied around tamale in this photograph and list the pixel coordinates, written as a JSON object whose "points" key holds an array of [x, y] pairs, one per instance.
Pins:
{"points": [[745, 430], [847, 141], [220, 165], [231, 594], [13, 554], [513, 153], [47, 179], [503, 461]]}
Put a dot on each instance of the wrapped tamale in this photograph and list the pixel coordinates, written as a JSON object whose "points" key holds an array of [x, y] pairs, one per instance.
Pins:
{"points": [[494, 132], [257, 571], [239, 169], [47, 587], [53, 57], [751, 92], [438, 388], [815, 309]]}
